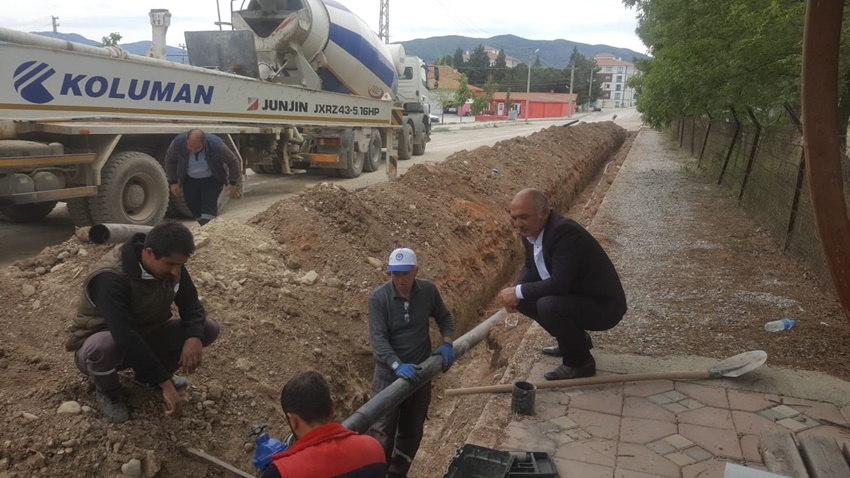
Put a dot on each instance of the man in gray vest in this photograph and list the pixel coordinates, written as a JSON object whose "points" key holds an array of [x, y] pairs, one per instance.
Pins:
{"points": [[124, 319]]}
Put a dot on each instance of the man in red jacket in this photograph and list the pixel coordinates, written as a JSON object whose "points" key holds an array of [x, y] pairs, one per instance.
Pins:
{"points": [[324, 449]]}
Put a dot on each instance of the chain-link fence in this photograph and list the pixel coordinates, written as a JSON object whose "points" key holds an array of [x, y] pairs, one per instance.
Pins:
{"points": [[758, 156]]}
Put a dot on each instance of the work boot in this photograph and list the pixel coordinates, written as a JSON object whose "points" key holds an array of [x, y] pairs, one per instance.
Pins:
{"points": [[111, 406], [554, 351], [180, 383]]}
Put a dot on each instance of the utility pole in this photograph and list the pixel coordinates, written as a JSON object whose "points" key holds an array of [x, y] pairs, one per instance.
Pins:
{"points": [[384, 21], [528, 85], [55, 24], [590, 87], [572, 76]]}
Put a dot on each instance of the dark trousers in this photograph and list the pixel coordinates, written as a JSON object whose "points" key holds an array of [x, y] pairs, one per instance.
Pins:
{"points": [[567, 317], [201, 197], [400, 430], [100, 359]]}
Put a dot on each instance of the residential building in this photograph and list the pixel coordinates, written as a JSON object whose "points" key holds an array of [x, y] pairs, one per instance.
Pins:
{"points": [[492, 54], [540, 105], [613, 73]]}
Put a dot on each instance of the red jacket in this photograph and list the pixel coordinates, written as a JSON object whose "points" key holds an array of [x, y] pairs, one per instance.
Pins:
{"points": [[332, 451]]}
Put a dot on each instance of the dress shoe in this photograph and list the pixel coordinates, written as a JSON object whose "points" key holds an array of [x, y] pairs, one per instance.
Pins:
{"points": [[564, 372], [554, 351]]}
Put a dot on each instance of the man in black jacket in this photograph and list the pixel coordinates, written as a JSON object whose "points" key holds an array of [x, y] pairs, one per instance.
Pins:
{"points": [[124, 319], [198, 166], [568, 284]]}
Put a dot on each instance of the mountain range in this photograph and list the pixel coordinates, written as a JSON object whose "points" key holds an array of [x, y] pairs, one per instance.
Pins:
{"points": [[555, 53]]}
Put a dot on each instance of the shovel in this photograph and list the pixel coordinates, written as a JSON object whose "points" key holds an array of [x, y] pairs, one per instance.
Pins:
{"points": [[729, 368]]}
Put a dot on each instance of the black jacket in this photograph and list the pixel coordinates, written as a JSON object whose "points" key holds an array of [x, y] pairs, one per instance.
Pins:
{"points": [[576, 262], [223, 163]]}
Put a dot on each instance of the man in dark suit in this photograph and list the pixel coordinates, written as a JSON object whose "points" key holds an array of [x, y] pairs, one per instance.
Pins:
{"points": [[568, 284]]}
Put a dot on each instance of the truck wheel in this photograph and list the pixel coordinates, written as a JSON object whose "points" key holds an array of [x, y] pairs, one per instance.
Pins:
{"points": [[374, 154], [260, 169], [133, 190], [26, 212], [79, 210], [419, 146], [405, 142], [177, 207]]}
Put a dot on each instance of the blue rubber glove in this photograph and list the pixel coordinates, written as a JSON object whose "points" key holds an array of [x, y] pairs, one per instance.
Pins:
{"points": [[447, 350], [408, 371]]}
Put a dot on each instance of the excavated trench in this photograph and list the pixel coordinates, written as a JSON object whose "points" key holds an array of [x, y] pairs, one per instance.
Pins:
{"points": [[290, 289]]}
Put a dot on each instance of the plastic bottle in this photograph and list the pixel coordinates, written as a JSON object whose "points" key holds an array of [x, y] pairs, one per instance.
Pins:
{"points": [[779, 325]]}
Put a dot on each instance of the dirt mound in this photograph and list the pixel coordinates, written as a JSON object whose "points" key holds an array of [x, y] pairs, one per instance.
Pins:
{"points": [[290, 290]]}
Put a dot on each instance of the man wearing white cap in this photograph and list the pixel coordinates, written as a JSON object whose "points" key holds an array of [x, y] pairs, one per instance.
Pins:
{"points": [[399, 316]]}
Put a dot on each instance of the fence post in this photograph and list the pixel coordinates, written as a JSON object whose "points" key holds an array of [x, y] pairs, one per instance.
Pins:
{"points": [[705, 139], [801, 175], [681, 132], [731, 146], [752, 158], [693, 133]]}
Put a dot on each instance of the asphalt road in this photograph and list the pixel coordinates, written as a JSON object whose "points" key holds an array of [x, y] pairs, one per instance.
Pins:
{"points": [[24, 240]]}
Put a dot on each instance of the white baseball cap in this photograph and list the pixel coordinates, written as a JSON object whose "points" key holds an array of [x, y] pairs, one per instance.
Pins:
{"points": [[402, 260]]}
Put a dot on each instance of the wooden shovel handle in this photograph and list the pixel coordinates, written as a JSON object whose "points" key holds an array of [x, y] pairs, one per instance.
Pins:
{"points": [[575, 382]]}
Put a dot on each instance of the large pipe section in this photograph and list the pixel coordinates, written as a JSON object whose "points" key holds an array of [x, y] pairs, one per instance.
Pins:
{"points": [[392, 396], [115, 233]]}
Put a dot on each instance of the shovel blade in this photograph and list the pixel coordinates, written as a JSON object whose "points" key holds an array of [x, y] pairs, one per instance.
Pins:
{"points": [[739, 364]]}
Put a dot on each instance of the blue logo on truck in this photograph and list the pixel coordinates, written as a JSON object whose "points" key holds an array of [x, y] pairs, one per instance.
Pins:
{"points": [[29, 81], [30, 77]]}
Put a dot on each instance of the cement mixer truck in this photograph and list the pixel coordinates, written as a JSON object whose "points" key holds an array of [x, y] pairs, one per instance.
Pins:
{"points": [[296, 84]]}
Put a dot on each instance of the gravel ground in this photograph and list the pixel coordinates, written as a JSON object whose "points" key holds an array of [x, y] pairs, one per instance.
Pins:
{"points": [[701, 276]]}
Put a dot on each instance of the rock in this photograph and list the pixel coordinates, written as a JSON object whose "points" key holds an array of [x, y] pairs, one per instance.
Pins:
{"points": [[29, 416], [248, 447], [292, 263], [375, 262], [207, 277], [36, 305], [201, 241], [69, 443], [56, 267], [334, 282], [199, 407], [307, 247], [132, 468], [309, 278], [317, 351], [215, 391], [264, 247], [4, 464], [82, 253], [243, 364], [86, 409], [63, 255], [27, 290], [235, 285], [41, 271], [208, 403], [71, 407]]}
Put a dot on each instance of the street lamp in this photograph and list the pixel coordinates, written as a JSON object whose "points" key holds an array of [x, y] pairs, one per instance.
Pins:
{"points": [[528, 85]]}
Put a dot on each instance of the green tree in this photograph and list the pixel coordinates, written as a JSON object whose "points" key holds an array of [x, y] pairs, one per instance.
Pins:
{"points": [[478, 66], [509, 103], [444, 98], [707, 56], [462, 93], [500, 66], [111, 40], [457, 59]]}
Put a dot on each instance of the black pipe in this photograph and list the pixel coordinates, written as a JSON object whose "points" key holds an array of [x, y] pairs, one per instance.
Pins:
{"points": [[115, 233], [392, 396]]}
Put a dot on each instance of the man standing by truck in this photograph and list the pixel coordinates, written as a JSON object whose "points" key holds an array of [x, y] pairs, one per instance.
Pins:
{"points": [[124, 319], [399, 315], [198, 166]]}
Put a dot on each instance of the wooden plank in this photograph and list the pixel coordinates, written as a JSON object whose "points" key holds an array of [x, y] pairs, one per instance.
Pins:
{"points": [[823, 457], [215, 461], [780, 454]]}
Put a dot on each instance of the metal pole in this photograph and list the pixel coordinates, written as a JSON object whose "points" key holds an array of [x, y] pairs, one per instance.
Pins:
{"points": [[391, 396], [590, 87], [572, 77], [528, 88]]}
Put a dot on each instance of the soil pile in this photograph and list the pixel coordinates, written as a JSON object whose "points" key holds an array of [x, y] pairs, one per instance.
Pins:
{"points": [[290, 289]]}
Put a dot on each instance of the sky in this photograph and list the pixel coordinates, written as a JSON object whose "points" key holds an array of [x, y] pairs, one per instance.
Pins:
{"points": [[584, 21]]}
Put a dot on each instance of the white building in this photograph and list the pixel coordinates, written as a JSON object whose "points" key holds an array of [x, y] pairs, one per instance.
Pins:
{"points": [[613, 74]]}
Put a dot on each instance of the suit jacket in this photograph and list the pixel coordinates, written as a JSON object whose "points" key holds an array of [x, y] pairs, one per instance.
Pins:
{"points": [[576, 262]]}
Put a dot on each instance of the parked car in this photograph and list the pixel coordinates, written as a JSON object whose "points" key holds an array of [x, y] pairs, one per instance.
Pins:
{"points": [[597, 108], [451, 109], [434, 118]]}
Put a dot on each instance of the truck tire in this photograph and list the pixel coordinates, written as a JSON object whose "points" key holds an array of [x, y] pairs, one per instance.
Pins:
{"points": [[419, 145], [260, 169], [79, 210], [374, 154], [133, 190], [26, 212], [405, 142]]}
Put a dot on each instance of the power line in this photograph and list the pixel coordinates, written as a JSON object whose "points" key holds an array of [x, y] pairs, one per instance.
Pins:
{"points": [[464, 22]]}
